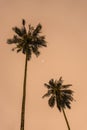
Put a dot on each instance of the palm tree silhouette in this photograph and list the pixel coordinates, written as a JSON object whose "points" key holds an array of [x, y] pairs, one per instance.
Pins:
{"points": [[28, 42], [59, 94]]}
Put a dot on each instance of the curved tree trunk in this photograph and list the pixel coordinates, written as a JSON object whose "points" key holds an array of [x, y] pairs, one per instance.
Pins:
{"points": [[66, 119], [24, 97]]}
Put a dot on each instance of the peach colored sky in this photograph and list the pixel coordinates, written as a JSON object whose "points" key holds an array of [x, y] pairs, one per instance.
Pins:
{"points": [[65, 26]]}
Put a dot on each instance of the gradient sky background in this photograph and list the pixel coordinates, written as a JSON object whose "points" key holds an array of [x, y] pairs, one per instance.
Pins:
{"points": [[65, 26]]}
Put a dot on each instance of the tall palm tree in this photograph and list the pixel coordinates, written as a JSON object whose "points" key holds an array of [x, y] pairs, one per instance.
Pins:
{"points": [[59, 94], [28, 42]]}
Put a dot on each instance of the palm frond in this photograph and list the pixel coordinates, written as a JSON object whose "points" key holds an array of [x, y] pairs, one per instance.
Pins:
{"points": [[37, 30], [35, 51], [30, 31], [67, 103], [47, 85], [23, 22], [58, 104], [51, 101], [23, 31], [59, 82], [10, 41], [66, 86], [18, 50], [39, 42], [67, 97], [47, 94], [17, 31], [15, 39], [52, 83], [60, 79], [67, 91], [42, 41]]}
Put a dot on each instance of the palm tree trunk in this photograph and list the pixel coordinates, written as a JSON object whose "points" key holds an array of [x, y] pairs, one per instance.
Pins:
{"points": [[66, 119], [24, 97]]}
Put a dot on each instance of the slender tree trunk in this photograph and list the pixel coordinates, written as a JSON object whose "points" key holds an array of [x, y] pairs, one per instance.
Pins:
{"points": [[66, 119], [24, 97]]}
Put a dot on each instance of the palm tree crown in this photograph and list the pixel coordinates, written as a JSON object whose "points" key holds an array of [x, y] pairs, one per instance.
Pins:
{"points": [[59, 94], [28, 41]]}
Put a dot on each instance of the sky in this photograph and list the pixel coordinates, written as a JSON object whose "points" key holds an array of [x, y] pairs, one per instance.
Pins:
{"points": [[65, 28]]}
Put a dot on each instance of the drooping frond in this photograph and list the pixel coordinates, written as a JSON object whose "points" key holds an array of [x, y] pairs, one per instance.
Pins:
{"points": [[35, 50], [58, 102], [51, 101]]}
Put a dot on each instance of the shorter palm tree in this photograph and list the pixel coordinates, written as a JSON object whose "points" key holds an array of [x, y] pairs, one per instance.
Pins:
{"points": [[59, 94]]}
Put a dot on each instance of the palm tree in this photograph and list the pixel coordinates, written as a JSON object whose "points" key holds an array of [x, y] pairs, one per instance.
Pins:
{"points": [[59, 94], [28, 42]]}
